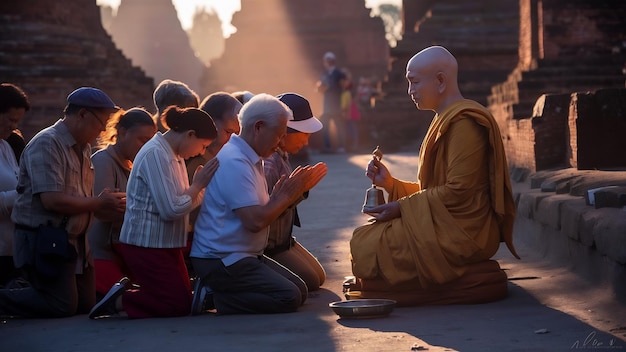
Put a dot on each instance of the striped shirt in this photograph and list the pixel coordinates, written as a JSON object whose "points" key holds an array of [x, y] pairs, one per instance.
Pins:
{"points": [[157, 211]]}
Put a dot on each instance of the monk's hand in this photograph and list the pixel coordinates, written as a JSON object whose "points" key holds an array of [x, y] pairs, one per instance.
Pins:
{"points": [[379, 174], [385, 212]]}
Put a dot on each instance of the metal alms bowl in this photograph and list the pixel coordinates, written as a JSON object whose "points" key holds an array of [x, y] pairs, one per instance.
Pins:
{"points": [[363, 308]]}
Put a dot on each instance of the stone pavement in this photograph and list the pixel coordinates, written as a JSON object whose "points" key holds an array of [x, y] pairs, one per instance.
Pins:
{"points": [[549, 308]]}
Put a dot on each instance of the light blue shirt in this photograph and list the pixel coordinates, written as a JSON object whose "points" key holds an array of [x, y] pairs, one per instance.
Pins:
{"points": [[238, 182]]}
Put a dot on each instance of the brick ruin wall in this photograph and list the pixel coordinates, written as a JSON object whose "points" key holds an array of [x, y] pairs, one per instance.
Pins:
{"points": [[563, 106]]}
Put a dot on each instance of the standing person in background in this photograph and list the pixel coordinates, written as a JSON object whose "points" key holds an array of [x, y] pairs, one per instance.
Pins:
{"points": [[350, 113], [126, 133], [282, 245], [169, 93], [154, 231], [330, 85], [13, 105], [55, 187], [365, 94]]}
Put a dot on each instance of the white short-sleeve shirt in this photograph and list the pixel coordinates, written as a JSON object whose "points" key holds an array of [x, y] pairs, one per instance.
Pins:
{"points": [[238, 182]]}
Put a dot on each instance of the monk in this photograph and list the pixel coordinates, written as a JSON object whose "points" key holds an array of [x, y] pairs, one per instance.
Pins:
{"points": [[432, 242]]}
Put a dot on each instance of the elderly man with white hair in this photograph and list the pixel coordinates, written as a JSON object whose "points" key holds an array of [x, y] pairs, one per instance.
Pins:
{"points": [[233, 224]]}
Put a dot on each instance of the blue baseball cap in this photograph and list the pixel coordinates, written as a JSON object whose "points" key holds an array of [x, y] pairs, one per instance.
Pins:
{"points": [[89, 97]]}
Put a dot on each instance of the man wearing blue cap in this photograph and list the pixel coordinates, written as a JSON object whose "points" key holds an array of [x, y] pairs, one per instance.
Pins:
{"points": [[55, 188]]}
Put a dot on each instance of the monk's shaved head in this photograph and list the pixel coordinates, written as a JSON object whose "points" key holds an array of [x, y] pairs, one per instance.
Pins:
{"points": [[435, 59], [432, 74]]}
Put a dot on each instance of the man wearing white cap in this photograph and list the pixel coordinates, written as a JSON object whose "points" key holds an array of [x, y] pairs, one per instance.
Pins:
{"points": [[232, 228], [282, 246], [330, 86], [55, 187]]}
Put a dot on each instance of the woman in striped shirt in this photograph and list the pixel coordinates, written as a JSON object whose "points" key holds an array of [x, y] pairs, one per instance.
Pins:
{"points": [[159, 200]]}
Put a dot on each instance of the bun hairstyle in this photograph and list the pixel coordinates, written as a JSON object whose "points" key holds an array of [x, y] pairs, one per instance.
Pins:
{"points": [[187, 119]]}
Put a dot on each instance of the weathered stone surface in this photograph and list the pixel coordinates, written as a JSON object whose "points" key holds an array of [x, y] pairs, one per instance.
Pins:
{"points": [[610, 234], [549, 210], [150, 34], [571, 213], [529, 202], [600, 120], [50, 48]]}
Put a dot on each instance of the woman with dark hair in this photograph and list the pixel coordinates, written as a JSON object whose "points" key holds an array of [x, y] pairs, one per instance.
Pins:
{"points": [[126, 133], [159, 200], [13, 106]]}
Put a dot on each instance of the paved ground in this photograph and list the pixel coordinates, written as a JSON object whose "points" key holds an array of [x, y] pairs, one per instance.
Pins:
{"points": [[549, 308]]}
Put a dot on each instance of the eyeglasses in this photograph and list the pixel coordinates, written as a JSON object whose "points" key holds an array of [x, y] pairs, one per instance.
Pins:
{"points": [[104, 125]]}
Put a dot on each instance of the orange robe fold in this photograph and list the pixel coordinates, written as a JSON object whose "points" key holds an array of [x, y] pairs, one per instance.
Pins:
{"points": [[456, 214]]}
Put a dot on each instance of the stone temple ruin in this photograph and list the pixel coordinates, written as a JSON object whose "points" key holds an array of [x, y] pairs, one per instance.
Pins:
{"points": [[50, 48], [551, 71]]}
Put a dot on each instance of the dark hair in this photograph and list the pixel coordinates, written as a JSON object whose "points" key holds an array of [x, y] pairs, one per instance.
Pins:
{"points": [[218, 104], [170, 92], [126, 119], [135, 117], [12, 96], [17, 143], [182, 120]]}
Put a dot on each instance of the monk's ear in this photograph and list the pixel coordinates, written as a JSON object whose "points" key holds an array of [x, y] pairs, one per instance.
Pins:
{"points": [[441, 79]]}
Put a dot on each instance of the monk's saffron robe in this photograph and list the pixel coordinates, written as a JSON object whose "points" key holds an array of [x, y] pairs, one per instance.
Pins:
{"points": [[456, 214]]}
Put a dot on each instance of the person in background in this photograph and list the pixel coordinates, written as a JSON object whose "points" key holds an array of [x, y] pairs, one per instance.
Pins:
{"points": [[55, 186], [176, 93], [432, 242], [154, 230], [350, 113], [282, 245], [126, 133], [366, 92], [13, 105], [330, 85], [243, 96], [223, 109], [232, 228]]}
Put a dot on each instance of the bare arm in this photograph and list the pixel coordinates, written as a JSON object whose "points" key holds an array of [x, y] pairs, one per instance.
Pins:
{"points": [[103, 205]]}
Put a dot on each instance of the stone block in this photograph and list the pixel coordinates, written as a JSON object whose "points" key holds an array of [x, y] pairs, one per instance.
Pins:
{"points": [[528, 203], [612, 198], [588, 222], [571, 212], [549, 210], [610, 234]]}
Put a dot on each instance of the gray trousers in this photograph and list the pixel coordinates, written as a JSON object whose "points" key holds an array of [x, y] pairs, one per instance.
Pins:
{"points": [[65, 296], [251, 285]]}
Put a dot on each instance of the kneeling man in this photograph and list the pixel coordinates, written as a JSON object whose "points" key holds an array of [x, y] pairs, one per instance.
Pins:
{"points": [[232, 228]]}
